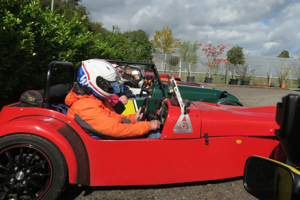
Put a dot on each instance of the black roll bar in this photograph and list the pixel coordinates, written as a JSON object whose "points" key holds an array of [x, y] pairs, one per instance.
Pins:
{"points": [[51, 67], [141, 63]]}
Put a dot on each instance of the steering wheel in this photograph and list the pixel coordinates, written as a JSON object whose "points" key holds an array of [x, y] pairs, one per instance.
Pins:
{"points": [[145, 109], [145, 88]]}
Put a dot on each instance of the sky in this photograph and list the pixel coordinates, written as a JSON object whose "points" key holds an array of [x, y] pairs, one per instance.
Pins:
{"points": [[261, 27]]}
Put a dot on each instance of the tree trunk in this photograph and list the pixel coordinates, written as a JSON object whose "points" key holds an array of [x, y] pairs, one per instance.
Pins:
{"points": [[165, 63], [190, 70], [233, 75]]}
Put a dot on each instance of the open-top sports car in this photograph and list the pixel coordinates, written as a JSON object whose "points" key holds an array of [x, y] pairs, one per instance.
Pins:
{"points": [[158, 89], [41, 148]]}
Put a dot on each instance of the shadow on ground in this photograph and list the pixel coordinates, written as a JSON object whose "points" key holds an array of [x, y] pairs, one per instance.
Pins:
{"points": [[74, 191]]}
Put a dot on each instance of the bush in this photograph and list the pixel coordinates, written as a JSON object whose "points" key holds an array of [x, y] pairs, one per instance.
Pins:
{"points": [[32, 38]]}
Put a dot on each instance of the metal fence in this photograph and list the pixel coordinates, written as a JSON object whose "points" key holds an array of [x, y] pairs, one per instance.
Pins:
{"points": [[262, 65]]}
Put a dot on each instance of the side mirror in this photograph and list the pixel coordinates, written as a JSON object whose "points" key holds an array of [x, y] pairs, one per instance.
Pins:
{"points": [[187, 103], [268, 179]]}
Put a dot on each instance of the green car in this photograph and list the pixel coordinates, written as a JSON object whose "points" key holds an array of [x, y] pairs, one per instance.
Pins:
{"points": [[158, 89]]}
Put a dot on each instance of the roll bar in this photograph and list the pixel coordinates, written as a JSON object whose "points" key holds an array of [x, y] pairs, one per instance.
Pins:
{"points": [[51, 67], [152, 65]]}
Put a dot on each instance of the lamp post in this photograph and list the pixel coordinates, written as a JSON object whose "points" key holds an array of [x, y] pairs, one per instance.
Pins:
{"points": [[52, 5]]}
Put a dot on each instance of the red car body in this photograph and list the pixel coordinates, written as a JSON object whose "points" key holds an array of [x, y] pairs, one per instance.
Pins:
{"points": [[234, 134], [213, 143]]}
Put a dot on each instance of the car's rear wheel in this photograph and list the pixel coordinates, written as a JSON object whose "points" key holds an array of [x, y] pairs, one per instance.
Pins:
{"points": [[31, 167], [231, 103]]}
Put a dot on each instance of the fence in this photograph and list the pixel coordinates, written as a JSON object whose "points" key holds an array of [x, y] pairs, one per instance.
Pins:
{"points": [[264, 65]]}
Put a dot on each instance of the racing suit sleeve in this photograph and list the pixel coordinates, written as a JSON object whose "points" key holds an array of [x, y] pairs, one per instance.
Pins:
{"points": [[100, 121]]}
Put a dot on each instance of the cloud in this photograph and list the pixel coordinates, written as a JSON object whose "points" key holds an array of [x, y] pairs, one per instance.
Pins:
{"points": [[263, 27]]}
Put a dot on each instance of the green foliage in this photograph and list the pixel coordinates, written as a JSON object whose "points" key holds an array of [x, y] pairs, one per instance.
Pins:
{"points": [[236, 56], [68, 8], [297, 62], [165, 42], [284, 54], [188, 52], [97, 27], [285, 70], [138, 47], [173, 62], [32, 38], [246, 71]]}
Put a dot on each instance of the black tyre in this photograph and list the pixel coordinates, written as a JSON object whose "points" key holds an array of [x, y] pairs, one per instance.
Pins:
{"points": [[231, 103], [31, 167]]}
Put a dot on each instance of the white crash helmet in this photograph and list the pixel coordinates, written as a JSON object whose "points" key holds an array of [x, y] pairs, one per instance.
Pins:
{"points": [[98, 75], [141, 82]]}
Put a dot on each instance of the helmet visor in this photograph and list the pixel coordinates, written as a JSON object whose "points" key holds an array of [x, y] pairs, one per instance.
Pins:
{"points": [[104, 85], [116, 87]]}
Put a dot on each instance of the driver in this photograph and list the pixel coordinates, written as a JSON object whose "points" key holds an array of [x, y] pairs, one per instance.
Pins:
{"points": [[92, 111], [129, 79]]}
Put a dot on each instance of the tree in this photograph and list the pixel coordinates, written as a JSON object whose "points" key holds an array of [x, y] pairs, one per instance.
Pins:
{"points": [[173, 62], [297, 61], [31, 38], [236, 56], [165, 42], [212, 54], [284, 54], [188, 52], [137, 46], [97, 27], [285, 70], [69, 8]]}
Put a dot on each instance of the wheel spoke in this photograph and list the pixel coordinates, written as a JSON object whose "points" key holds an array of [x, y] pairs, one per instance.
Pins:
{"points": [[31, 158], [40, 175], [21, 157], [4, 183], [19, 193], [7, 193], [40, 164], [37, 185], [11, 160], [3, 167], [29, 192]]}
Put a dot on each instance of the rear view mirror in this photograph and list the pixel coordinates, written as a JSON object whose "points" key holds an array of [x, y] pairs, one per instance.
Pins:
{"points": [[268, 179]]}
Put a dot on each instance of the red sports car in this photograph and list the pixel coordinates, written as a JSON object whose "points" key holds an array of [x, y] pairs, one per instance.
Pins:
{"points": [[41, 148]]}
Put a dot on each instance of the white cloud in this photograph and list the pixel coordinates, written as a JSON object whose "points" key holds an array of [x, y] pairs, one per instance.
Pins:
{"points": [[263, 27]]}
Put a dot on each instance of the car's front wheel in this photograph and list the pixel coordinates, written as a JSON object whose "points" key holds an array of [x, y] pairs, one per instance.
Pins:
{"points": [[31, 167]]}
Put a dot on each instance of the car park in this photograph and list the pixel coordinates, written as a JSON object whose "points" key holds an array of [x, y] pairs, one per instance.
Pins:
{"points": [[41, 148]]}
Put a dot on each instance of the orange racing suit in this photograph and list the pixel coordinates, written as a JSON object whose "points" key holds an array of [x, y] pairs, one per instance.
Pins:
{"points": [[98, 117]]}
